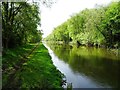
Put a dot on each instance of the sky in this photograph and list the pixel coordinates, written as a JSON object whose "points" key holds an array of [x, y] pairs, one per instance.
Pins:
{"points": [[62, 10]]}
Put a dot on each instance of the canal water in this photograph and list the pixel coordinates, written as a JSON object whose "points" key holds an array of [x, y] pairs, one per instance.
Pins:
{"points": [[86, 67]]}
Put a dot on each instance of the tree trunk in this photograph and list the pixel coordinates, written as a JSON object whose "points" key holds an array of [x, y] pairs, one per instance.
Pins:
{"points": [[6, 43]]}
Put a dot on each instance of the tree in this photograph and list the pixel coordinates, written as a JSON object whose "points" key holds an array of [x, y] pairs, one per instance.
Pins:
{"points": [[99, 26], [20, 20]]}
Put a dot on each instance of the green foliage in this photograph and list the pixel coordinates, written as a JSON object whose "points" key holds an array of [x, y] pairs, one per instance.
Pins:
{"points": [[111, 24], [19, 23], [98, 26]]}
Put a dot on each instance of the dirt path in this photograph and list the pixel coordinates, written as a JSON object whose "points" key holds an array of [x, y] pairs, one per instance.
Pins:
{"points": [[16, 68]]}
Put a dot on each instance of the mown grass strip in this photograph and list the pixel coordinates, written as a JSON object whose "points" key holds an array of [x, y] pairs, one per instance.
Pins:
{"points": [[37, 72]]}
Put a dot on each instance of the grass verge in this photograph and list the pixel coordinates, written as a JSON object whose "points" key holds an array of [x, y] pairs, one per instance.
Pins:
{"points": [[37, 71]]}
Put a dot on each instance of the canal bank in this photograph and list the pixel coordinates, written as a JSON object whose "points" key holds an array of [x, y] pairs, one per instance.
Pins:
{"points": [[34, 70]]}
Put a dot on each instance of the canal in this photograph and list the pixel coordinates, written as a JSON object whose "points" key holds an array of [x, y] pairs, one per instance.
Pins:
{"points": [[86, 67]]}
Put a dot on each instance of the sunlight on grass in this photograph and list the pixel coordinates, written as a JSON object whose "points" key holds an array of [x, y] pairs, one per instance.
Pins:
{"points": [[37, 72]]}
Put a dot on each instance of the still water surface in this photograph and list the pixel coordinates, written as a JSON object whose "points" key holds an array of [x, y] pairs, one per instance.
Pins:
{"points": [[86, 67]]}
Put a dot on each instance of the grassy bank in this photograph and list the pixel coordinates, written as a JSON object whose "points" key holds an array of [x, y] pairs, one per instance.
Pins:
{"points": [[35, 70]]}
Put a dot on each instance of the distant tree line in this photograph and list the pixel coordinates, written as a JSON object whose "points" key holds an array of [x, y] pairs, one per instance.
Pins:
{"points": [[19, 23], [99, 26]]}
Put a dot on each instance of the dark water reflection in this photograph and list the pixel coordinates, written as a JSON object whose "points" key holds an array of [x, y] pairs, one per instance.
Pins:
{"points": [[86, 67]]}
